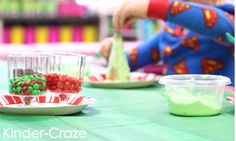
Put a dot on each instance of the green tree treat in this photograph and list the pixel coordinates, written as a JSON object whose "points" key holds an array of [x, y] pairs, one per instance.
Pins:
{"points": [[118, 68]]}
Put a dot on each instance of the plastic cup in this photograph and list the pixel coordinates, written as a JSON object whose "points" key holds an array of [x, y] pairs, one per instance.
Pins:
{"points": [[26, 74], [65, 74], [195, 95]]}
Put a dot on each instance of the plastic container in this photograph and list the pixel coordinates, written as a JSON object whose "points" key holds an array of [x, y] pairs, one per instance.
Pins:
{"points": [[26, 74], [195, 95], [65, 73]]}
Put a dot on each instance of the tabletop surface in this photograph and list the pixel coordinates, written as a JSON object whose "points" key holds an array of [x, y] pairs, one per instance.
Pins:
{"points": [[130, 115]]}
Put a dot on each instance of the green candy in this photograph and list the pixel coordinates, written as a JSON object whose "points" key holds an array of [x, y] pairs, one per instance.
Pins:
{"points": [[30, 88], [39, 92], [37, 78], [14, 89], [43, 79], [11, 81], [31, 76], [44, 84], [18, 89], [35, 92], [18, 84], [36, 86]]}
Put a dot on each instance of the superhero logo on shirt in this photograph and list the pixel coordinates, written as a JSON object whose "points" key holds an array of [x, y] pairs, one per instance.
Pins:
{"points": [[210, 17], [155, 55], [211, 65], [133, 56], [167, 50], [231, 17], [177, 8], [191, 42], [181, 67], [177, 32]]}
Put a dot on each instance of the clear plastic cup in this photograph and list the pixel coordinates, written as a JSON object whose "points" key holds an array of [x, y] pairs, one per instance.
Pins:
{"points": [[65, 74], [26, 74], [194, 95]]}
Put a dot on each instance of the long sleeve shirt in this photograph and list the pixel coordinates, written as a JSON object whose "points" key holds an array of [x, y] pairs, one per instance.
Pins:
{"points": [[192, 41]]}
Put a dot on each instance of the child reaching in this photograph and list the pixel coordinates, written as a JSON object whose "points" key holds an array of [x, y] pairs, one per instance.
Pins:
{"points": [[192, 41]]}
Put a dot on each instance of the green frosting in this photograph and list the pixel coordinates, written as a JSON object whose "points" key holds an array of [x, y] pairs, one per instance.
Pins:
{"points": [[118, 68], [186, 104]]}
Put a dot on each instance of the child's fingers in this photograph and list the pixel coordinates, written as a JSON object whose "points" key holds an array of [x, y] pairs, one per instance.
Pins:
{"points": [[119, 18], [116, 22], [131, 20]]}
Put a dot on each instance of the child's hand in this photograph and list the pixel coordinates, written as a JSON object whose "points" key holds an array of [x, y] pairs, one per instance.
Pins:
{"points": [[105, 47], [129, 12]]}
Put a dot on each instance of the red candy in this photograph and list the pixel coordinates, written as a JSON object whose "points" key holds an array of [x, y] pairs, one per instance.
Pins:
{"points": [[60, 85], [63, 83], [24, 88], [27, 92]]}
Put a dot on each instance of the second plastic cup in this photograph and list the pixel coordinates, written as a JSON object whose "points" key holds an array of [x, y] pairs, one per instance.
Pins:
{"points": [[65, 73]]}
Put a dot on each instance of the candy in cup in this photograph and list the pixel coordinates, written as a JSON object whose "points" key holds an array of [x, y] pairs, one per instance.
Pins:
{"points": [[65, 74], [26, 74]]}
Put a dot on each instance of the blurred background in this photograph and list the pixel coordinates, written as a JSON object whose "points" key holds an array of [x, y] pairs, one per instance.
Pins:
{"points": [[63, 21], [68, 26]]}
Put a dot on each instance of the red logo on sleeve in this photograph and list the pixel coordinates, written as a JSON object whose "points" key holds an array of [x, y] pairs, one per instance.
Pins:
{"points": [[177, 32], [210, 17], [167, 50], [133, 56], [177, 8], [155, 55], [191, 42], [181, 67], [211, 65]]}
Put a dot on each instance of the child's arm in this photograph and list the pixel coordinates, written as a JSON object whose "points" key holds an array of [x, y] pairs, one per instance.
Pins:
{"points": [[206, 20], [146, 53]]}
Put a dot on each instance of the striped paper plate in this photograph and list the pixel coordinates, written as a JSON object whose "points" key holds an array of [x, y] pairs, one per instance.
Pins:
{"points": [[44, 105], [137, 80]]}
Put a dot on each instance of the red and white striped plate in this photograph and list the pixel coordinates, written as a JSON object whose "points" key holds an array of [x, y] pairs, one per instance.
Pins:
{"points": [[137, 80], [44, 105]]}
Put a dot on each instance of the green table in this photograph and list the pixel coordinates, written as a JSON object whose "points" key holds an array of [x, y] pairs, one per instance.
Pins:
{"points": [[130, 115]]}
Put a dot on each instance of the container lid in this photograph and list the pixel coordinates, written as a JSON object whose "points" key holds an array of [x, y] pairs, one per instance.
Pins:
{"points": [[195, 79]]}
